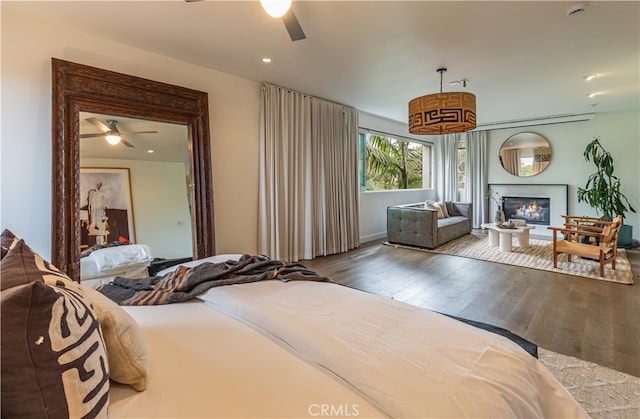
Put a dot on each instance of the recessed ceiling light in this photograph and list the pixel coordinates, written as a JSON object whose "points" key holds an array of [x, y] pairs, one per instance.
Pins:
{"points": [[149, 151], [591, 77], [266, 60]]}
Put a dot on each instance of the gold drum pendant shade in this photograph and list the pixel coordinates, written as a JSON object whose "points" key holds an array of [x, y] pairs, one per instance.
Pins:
{"points": [[442, 113]]}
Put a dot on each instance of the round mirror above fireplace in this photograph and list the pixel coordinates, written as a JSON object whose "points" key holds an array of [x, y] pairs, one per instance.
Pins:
{"points": [[525, 154]]}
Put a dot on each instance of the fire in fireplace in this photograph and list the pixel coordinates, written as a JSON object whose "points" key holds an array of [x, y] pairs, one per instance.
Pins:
{"points": [[533, 210]]}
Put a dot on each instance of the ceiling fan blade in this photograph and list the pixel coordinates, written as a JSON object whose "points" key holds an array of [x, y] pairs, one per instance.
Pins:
{"points": [[127, 143], [140, 132], [102, 134], [98, 123], [293, 26]]}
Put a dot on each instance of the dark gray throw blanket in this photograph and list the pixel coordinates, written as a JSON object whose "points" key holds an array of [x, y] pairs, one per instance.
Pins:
{"points": [[186, 283]]}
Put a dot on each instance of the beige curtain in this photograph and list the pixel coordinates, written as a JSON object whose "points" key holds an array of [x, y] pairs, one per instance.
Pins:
{"points": [[308, 193], [511, 160]]}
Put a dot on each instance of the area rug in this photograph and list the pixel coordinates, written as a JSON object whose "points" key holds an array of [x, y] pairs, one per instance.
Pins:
{"points": [[536, 256], [602, 392]]}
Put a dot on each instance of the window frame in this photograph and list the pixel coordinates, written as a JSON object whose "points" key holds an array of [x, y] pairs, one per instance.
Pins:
{"points": [[427, 159]]}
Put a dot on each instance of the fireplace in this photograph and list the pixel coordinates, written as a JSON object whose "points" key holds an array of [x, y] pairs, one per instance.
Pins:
{"points": [[532, 210], [557, 204]]}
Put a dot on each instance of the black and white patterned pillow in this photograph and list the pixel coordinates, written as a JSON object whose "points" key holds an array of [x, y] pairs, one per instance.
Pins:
{"points": [[22, 265], [54, 360], [7, 241]]}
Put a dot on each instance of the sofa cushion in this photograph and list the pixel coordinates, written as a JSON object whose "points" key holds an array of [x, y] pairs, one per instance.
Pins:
{"points": [[453, 227], [452, 209], [440, 206]]}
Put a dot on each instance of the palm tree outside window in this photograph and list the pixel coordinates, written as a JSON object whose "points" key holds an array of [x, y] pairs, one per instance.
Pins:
{"points": [[392, 163]]}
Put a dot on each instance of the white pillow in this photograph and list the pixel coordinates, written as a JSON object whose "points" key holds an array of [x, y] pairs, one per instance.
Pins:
{"points": [[111, 258], [125, 345], [437, 206]]}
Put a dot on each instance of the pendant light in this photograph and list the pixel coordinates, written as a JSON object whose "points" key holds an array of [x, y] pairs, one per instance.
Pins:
{"points": [[442, 113]]}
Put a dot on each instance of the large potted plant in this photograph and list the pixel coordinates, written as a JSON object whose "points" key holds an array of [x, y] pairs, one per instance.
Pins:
{"points": [[602, 190]]}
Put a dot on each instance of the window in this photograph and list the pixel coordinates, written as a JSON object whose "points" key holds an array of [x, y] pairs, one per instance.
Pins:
{"points": [[390, 163], [462, 164]]}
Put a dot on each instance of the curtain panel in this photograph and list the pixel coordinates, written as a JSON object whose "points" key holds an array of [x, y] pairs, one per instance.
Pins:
{"points": [[308, 188], [446, 160], [476, 176]]}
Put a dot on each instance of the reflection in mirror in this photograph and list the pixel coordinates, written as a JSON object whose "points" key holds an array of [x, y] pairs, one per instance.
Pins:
{"points": [[78, 88], [155, 158], [525, 154]]}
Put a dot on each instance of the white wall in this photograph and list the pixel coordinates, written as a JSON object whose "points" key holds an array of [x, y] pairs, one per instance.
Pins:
{"points": [[160, 204], [619, 134], [25, 163]]}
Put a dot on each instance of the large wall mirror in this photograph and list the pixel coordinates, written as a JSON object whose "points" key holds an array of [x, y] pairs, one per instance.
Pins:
{"points": [[164, 155], [525, 154]]}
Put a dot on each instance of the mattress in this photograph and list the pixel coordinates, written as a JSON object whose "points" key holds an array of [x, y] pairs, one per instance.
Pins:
{"points": [[308, 349]]}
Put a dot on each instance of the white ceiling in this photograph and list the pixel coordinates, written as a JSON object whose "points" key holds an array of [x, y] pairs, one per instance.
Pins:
{"points": [[522, 59], [170, 144]]}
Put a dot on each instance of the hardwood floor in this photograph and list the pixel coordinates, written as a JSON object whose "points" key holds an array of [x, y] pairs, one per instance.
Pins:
{"points": [[593, 320]]}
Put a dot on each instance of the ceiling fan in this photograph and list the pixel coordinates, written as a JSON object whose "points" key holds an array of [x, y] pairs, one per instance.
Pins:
{"points": [[281, 9], [110, 131]]}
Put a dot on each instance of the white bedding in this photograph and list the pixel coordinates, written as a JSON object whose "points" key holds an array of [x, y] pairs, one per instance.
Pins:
{"points": [[102, 265], [274, 349], [205, 364]]}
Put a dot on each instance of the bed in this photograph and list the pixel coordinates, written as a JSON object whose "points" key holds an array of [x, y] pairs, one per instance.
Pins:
{"points": [[102, 265], [289, 349]]}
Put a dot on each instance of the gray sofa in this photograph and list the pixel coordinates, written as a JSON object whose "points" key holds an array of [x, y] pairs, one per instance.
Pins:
{"points": [[414, 225]]}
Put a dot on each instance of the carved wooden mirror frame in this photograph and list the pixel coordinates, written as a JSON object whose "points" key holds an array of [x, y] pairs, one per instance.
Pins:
{"points": [[79, 88]]}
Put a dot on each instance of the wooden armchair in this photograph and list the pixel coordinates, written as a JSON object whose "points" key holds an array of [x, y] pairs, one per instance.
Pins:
{"points": [[579, 234]]}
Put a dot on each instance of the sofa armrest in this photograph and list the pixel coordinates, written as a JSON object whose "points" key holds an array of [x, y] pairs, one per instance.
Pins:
{"points": [[464, 208], [416, 205], [412, 226]]}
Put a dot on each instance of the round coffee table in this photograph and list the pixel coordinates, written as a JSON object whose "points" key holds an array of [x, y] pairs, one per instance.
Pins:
{"points": [[502, 236]]}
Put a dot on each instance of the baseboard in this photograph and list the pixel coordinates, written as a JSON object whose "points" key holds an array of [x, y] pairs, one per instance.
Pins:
{"points": [[373, 237]]}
